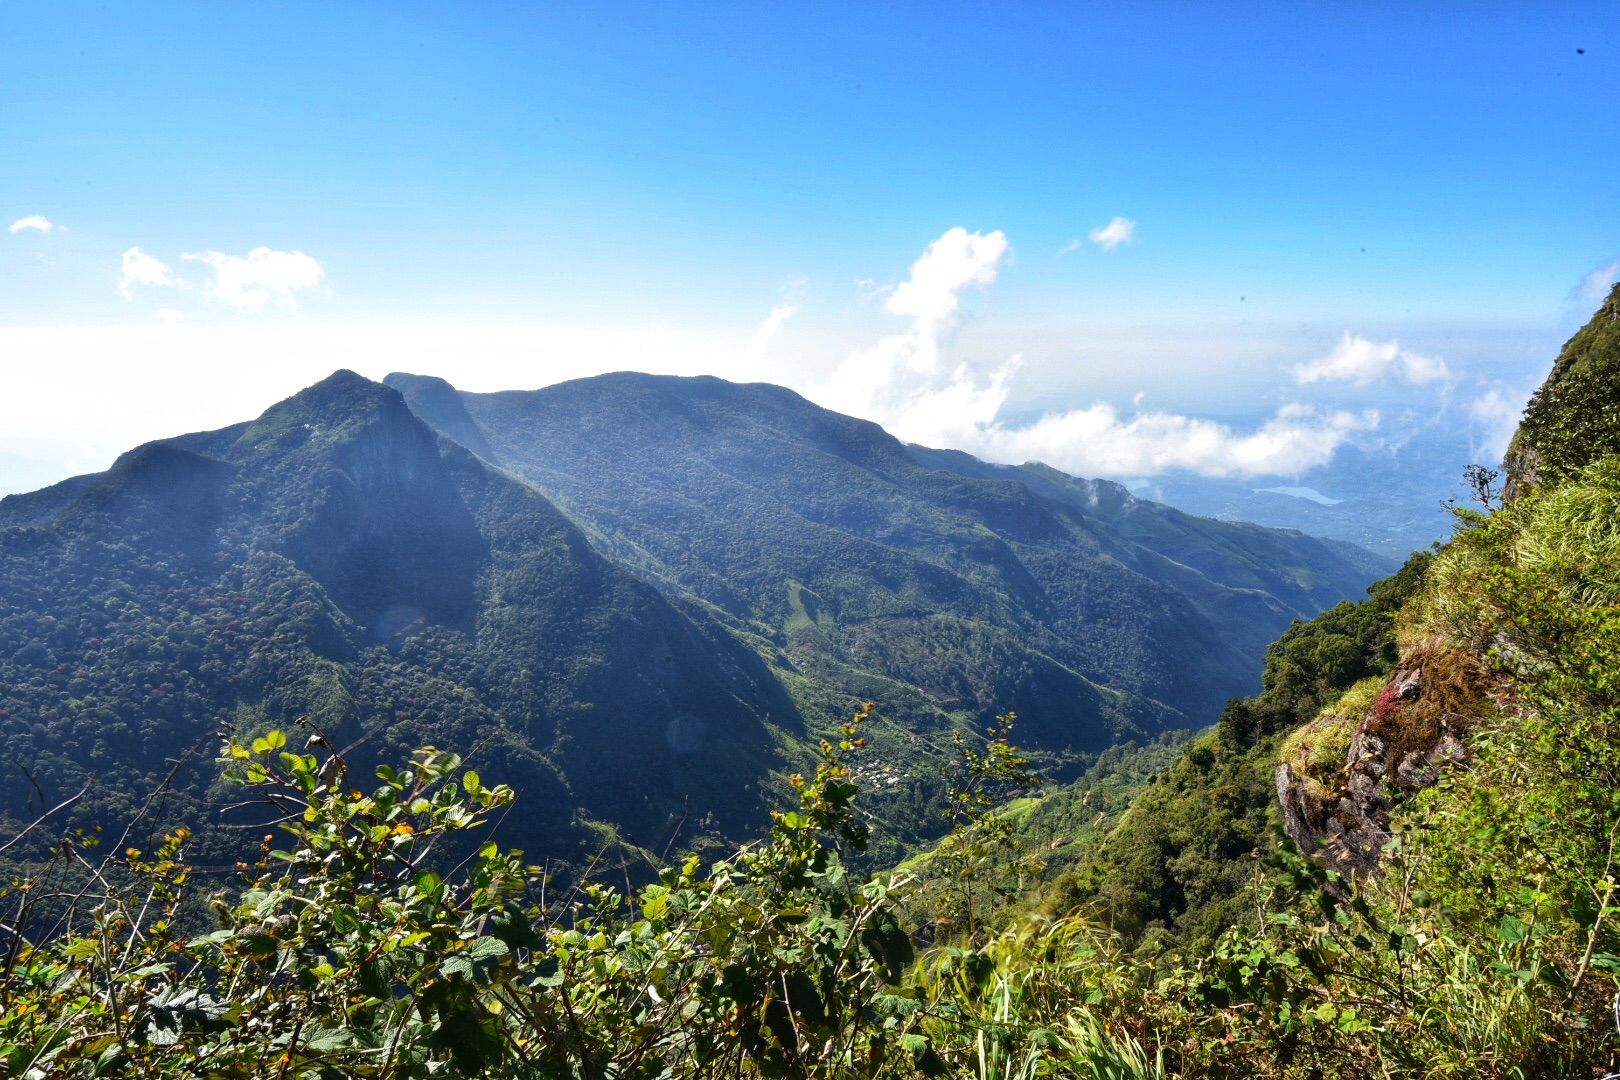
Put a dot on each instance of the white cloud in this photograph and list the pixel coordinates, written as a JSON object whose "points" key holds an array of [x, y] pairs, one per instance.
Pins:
{"points": [[33, 221], [167, 316], [951, 263], [1594, 286], [1495, 415], [1116, 232], [264, 277], [1359, 361], [1072, 245], [139, 268], [905, 383], [887, 379], [761, 340], [1100, 441]]}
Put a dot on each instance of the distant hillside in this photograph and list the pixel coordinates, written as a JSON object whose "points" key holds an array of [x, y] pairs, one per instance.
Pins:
{"points": [[884, 570], [1388, 500]]}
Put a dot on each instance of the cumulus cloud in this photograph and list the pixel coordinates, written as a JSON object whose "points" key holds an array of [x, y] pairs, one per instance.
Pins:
{"points": [[33, 221], [951, 263], [1116, 232], [888, 379], [761, 340], [906, 383], [1359, 361], [264, 278], [1594, 286], [139, 268]]}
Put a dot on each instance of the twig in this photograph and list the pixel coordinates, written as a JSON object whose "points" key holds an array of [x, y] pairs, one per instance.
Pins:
{"points": [[37, 822]]}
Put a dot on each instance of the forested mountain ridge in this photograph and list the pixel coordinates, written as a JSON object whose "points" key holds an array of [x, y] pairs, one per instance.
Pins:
{"points": [[335, 558], [860, 556]]}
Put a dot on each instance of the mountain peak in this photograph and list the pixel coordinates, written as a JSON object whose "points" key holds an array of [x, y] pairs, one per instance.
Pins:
{"points": [[440, 405], [331, 411]]}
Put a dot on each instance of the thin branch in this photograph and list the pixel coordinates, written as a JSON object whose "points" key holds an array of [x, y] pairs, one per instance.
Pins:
{"points": [[37, 822]]}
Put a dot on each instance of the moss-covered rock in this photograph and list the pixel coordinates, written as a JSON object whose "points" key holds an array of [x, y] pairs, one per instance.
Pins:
{"points": [[1339, 776]]}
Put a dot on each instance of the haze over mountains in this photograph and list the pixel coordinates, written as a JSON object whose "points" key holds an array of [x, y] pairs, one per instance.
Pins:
{"points": [[1389, 499], [634, 597]]}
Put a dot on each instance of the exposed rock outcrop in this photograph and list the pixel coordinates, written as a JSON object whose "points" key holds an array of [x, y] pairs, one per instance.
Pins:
{"points": [[1414, 729]]}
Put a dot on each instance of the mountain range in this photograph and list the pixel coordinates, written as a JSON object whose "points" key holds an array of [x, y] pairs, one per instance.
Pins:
{"points": [[634, 597]]}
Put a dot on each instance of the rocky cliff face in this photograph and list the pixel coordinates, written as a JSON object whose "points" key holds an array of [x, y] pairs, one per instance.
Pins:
{"points": [[1336, 798]]}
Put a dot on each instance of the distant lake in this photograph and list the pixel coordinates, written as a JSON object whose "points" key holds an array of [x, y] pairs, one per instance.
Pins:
{"points": [[1300, 493]]}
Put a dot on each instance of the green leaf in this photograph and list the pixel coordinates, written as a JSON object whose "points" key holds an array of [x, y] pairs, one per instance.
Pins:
{"points": [[1606, 962], [512, 926], [654, 901], [80, 949], [326, 1040], [548, 972], [178, 1009], [344, 919], [889, 944], [473, 1041], [477, 963], [1512, 930], [923, 1055]]}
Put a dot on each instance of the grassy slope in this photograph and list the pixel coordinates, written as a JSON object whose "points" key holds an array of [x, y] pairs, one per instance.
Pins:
{"points": [[1177, 832], [1486, 945]]}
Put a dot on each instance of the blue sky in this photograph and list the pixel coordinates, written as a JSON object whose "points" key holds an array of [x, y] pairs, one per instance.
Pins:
{"points": [[509, 195]]}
